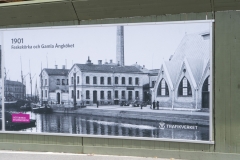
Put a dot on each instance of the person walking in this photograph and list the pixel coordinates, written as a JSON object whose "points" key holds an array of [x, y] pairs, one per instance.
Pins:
{"points": [[154, 103], [157, 105]]}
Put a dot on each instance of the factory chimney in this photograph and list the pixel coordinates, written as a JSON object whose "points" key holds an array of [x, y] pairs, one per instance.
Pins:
{"points": [[120, 45]]}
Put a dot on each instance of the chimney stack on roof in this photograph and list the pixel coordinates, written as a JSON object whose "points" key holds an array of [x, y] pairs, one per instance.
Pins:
{"points": [[63, 66], [111, 61], [56, 66], [88, 61], [100, 62]]}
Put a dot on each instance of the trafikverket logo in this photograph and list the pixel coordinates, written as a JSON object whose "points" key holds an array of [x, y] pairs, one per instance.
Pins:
{"points": [[161, 125]]}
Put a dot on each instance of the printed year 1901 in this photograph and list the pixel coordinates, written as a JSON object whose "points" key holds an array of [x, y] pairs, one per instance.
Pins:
{"points": [[17, 40]]}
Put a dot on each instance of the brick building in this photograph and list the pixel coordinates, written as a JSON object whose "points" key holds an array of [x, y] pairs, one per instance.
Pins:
{"points": [[183, 82], [14, 90]]}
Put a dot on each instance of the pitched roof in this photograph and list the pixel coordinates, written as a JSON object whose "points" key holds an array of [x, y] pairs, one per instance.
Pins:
{"points": [[173, 68], [9, 82], [108, 68], [153, 72], [197, 67], [60, 72], [193, 46]]}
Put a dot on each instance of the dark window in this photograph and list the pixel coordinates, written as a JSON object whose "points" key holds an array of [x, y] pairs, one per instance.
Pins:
{"points": [[72, 80], [163, 88], [72, 94], [136, 95], [184, 88], [77, 79], [102, 94], [206, 85], [136, 81], [123, 80], [77, 94], [116, 80], [45, 82], [116, 94], [67, 81], [109, 95], [63, 81], [58, 81], [130, 80], [109, 80], [42, 82], [129, 95], [123, 95], [45, 93], [87, 80], [87, 94], [94, 80], [102, 80]]}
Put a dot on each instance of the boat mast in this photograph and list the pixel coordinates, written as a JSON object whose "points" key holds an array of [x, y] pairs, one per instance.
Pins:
{"points": [[22, 77], [31, 78]]}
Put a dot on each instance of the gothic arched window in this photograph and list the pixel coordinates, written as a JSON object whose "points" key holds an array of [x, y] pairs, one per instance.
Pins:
{"points": [[163, 88], [184, 88]]}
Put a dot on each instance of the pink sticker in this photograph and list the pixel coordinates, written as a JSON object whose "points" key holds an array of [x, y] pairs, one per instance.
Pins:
{"points": [[22, 118]]}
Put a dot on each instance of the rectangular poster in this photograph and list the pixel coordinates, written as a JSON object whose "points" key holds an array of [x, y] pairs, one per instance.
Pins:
{"points": [[145, 81]]}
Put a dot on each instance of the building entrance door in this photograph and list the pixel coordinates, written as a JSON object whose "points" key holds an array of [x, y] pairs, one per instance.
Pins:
{"points": [[58, 98], [129, 95], [94, 96]]}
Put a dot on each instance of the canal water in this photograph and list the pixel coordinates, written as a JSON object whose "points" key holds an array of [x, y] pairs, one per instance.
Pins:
{"points": [[96, 125]]}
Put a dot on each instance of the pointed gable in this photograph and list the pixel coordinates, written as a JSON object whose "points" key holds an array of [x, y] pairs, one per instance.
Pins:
{"points": [[197, 68], [173, 68], [193, 46]]}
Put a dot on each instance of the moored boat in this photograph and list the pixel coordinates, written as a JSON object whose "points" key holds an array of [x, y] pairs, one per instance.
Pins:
{"points": [[42, 109]]}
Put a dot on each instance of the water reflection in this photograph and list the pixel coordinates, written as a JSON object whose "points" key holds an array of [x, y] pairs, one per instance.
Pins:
{"points": [[93, 125]]}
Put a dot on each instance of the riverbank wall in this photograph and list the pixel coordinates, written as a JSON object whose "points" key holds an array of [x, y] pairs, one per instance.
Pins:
{"points": [[139, 115]]}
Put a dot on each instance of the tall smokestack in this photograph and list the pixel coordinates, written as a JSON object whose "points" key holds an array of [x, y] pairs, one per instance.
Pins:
{"points": [[120, 45]]}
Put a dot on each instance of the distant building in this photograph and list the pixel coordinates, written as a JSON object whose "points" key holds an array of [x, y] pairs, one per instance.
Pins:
{"points": [[54, 85], [183, 82], [108, 84], [14, 90]]}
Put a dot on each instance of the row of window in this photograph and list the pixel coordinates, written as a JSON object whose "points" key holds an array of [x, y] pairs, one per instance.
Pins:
{"points": [[109, 94], [184, 88], [116, 80], [16, 89], [58, 82], [109, 81]]}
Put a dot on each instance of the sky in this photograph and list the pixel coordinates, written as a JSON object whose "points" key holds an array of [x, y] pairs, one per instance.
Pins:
{"points": [[143, 44]]}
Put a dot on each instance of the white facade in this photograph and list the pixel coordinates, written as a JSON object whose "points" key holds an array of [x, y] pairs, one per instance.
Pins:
{"points": [[107, 88]]}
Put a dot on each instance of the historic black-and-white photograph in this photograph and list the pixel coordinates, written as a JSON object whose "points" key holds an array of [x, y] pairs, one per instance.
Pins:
{"points": [[146, 81]]}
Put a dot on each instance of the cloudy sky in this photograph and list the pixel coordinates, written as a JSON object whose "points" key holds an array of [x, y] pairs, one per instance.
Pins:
{"points": [[145, 44]]}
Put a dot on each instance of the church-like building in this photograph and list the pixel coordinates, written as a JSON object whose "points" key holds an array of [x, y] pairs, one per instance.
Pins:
{"points": [[184, 81]]}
